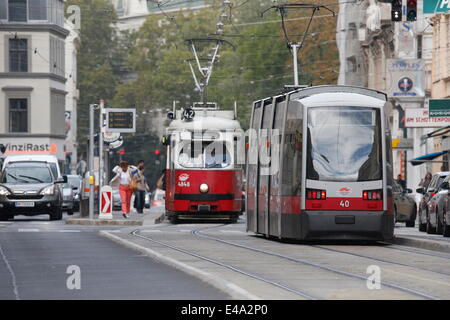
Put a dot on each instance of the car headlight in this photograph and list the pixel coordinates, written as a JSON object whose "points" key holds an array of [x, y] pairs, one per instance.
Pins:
{"points": [[204, 188], [76, 197], [4, 192], [48, 191]]}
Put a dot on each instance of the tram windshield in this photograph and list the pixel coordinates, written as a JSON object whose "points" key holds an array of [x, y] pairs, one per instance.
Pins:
{"points": [[344, 144], [204, 154]]}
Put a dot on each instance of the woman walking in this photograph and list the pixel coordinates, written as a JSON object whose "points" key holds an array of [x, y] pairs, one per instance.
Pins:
{"points": [[123, 180], [142, 186]]}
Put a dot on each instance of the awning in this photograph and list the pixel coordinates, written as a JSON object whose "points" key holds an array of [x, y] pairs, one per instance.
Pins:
{"points": [[425, 158]]}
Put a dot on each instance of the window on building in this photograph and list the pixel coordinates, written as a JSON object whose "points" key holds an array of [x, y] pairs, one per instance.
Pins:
{"points": [[37, 10], [17, 10], [353, 31], [419, 46], [351, 64], [3, 9], [18, 115], [18, 55]]}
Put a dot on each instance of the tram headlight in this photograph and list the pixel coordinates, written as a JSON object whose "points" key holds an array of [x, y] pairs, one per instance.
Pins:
{"points": [[204, 188]]}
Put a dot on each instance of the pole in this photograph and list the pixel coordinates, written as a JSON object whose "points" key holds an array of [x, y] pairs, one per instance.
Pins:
{"points": [[294, 56], [100, 152], [91, 161]]}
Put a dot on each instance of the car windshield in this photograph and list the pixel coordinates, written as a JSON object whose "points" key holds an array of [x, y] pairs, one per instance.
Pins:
{"points": [[72, 183], [22, 175]]}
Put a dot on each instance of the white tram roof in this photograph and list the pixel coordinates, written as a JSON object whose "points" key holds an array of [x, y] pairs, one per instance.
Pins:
{"points": [[204, 123], [337, 94]]}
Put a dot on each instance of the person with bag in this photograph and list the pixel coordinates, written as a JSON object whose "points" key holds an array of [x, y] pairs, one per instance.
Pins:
{"points": [[141, 186], [123, 181]]}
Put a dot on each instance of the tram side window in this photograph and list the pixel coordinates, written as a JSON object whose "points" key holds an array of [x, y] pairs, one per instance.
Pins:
{"points": [[292, 150]]}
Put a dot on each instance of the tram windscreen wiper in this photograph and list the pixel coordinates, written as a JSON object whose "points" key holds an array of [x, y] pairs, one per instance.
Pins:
{"points": [[326, 159]]}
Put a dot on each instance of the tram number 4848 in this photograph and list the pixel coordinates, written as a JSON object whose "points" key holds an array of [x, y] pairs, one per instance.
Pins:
{"points": [[344, 203]]}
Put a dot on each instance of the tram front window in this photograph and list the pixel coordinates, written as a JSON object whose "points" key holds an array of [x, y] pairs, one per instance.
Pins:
{"points": [[344, 144], [206, 154]]}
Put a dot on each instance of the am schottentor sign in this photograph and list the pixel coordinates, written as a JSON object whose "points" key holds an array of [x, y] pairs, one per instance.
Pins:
{"points": [[419, 118], [436, 6], [439, 107]]}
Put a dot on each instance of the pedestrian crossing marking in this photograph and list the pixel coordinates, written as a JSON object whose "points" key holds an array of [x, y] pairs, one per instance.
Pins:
{"points": [[28, 230]]}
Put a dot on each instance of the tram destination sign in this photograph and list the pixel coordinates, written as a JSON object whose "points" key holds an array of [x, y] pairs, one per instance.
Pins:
{"points": [[439, 108], [120, 120]]}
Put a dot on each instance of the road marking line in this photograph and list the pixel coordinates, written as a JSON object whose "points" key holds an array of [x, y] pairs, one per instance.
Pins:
{"points": [[231, 231], [28, 230], [69, 230], [149, 231], [13, 275], [184, 230]]}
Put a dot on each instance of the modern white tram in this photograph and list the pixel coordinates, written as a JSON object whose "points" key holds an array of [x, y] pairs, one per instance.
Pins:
{"points": [[330, 169]]}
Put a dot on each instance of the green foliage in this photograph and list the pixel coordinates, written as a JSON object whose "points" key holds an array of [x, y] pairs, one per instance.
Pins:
{"points": [[259, 67]]}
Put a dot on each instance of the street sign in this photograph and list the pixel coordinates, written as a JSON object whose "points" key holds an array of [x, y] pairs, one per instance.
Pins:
{"points": [[106, 203], [436, 6], [402, 143], [419, 118], [439, 107], [406, 78], [110, 137], [120, 120]]}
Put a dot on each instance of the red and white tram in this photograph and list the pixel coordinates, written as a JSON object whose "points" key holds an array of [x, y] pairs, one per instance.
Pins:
{"points": [[203, 174], [330, 169]]}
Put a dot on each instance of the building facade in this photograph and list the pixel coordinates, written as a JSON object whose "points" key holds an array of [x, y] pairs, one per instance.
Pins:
{"points": [[374, 51], [32, 77], [72, 97]]}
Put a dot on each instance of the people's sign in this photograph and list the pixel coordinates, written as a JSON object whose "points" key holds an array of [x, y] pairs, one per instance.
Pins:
{"points": [[436, 6], [406, 78]]}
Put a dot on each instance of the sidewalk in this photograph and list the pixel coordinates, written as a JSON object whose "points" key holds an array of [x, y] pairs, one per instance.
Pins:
{"points": [[149, 217]]}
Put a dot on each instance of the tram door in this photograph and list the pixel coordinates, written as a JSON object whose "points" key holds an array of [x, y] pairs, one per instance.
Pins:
{"points": [[264, 166], [252, 168]]}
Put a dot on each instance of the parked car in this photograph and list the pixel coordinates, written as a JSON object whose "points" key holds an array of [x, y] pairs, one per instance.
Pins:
{"points": [[30, 188], [439, 208], [405, 208], [435, 182], [117, 202], [51, 160], [75, 182], [158, 198], [67, 204]]}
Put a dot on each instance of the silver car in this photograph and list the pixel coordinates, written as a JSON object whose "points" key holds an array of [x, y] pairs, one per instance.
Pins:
{"points": [[405, 208], [68, 202]]}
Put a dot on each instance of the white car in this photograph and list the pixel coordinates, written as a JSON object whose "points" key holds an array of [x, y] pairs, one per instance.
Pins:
{"points": [[51, 160]]}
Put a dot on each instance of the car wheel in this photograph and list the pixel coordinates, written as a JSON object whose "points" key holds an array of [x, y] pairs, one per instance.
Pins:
{"points": [[412, 220], [5, 218], [56, 214], [446, 228], [70, 212], [439, 228], [422, 226], [430, 228]]}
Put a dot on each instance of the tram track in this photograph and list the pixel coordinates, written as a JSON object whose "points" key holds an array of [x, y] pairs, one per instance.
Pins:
{"points": [[301, 293], [197, 232]]}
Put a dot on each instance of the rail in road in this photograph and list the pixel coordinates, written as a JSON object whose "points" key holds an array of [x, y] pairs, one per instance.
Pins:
{"points": [[305, 271]]}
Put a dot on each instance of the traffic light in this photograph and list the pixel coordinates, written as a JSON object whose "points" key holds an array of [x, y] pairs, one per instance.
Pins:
{"points": [[411, 10], [157, 152], [396, 13]]}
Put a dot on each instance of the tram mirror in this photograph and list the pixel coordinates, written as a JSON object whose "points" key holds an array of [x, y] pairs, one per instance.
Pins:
{"points": [[407, 190], [420, 190], [170, 115]]}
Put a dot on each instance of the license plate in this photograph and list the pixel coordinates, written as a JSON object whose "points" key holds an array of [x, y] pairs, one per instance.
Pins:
{"points": [[25, 204]]}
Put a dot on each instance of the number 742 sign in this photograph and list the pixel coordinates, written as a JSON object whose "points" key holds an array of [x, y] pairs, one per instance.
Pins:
{"points": [[436, 6]]}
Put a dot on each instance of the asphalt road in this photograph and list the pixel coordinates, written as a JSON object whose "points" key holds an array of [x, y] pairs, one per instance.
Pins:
{"points": [[38, 258]]}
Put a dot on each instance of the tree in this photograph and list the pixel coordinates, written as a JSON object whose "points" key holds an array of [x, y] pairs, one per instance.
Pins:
{"points": [[97, 73]]}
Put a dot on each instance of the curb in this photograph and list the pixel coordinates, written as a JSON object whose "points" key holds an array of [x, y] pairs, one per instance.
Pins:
{"points": [[421, 244], [98, 222], [226, 286]]}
